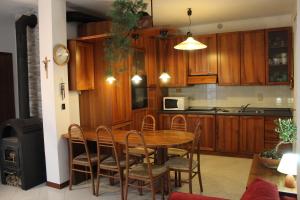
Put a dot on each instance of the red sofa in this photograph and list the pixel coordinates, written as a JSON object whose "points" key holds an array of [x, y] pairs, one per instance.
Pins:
{"points": [[257, 190]]}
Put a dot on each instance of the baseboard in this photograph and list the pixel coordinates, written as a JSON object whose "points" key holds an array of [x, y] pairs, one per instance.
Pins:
{"points": [[57, 186]]}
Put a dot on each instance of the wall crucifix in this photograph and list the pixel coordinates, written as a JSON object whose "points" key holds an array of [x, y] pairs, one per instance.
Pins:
{"points": [[46, 61]]}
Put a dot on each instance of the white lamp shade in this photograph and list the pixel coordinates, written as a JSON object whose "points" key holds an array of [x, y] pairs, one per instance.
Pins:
{"points": [[190, 44], [136, 79], [288, 164], [164, 77], [110, 79]]}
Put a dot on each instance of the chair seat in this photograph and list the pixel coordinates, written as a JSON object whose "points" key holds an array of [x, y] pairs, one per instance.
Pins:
{"points": [[177, 152], [82, 159], [141, 170], [110, 163], [180, 163], [139, 151]]}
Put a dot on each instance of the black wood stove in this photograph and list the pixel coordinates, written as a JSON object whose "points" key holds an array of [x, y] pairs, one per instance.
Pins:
{"points": [[22, 154]]}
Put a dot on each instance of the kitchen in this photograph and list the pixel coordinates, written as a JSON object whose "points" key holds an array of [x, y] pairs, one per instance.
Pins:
{"points": [[238, 82]]}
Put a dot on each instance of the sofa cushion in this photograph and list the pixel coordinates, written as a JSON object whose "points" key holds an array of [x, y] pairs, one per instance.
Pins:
{"points": [[187, 196], [261, 190]]}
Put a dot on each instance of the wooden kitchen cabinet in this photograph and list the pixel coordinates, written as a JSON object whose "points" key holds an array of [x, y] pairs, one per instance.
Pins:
{"points": [[271, 137], [121, 97], [204, 61], [81, 65], [251, 138], [279, 56], [229, 58], [227, 132], [151, 64], [253, 70], [137, 118], [173, 61], [207, 123], [165, 121]]}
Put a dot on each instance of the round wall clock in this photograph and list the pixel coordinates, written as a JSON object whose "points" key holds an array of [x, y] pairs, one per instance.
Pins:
{"points": [[61, 54]]}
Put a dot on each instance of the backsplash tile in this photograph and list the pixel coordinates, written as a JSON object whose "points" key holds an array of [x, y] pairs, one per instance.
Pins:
{"points": [[257, 96]]}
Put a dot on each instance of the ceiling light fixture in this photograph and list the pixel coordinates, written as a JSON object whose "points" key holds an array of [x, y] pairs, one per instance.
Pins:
{"points": [[190, 43], [110, 79], [164, 76]]}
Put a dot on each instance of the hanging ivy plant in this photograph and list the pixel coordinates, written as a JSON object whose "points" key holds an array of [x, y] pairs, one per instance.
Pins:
{"points": [[125, 15]]}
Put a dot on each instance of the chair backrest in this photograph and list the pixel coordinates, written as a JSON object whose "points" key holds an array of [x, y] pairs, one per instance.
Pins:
{"points": [[139, 141], [76, 136], [148, 123], [106, 139], [178, 123], [195, 149]]}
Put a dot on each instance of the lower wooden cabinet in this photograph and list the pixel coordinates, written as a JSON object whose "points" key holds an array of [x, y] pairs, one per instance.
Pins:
{"points": [[207, 123], [271, 137], [227, 133], [251, 139]]}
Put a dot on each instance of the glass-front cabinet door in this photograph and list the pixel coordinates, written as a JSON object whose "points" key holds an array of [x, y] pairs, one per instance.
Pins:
{"points": [[279, 56]]}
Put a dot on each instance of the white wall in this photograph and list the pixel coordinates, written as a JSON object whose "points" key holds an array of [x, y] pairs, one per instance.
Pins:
{"points": [[73, 95], [242, 25], [8, 44]]}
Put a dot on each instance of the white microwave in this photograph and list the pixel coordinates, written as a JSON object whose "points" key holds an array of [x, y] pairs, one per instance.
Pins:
{"points": [[175, 103]]}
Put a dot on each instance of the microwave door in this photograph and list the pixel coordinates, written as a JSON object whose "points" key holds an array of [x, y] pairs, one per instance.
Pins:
{"points": [[171, 103]]}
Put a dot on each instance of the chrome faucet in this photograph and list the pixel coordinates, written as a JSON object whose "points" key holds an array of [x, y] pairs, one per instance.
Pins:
{"points": [[244, 107]]}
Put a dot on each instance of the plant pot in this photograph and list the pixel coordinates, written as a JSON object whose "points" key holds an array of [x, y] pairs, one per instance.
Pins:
{"points": [[145, 22], [269, 162]]}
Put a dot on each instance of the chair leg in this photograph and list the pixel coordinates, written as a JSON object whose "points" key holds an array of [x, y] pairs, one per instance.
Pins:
{"points": [[175, 172], [190, 183], [162, 186], [98, 182], [200, 179], [179, 178], [93, 183], [140, 189], [126, 187], [152, 190], [121, 184], [71, 178], [169, 183]]}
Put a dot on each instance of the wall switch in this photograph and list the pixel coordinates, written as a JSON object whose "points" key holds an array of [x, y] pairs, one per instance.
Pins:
{"points": [[63, 106], [260, 97]]}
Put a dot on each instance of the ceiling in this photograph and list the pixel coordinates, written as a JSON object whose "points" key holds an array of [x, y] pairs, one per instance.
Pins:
{"points": [[173, 12]]}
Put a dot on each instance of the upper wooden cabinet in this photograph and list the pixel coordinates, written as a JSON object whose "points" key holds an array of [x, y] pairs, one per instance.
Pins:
{"points": [[253, 58], [81, 65], [173, 61], [279, 56], [227, 134], [204, 61], [251, 134], [229, 58]]}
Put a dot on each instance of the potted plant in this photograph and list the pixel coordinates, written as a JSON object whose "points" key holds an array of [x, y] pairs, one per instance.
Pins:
{"points": [[126, 16], [287, 132]]}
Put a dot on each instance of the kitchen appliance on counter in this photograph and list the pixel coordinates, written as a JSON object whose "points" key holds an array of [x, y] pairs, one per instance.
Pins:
{"points": [[175, 103]]}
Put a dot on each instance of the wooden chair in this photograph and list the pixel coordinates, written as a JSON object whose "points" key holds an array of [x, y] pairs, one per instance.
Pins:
{"points": [[189, 165], [146, 173], [148, 124], [178, 123], [83, 162], [112, 165]]}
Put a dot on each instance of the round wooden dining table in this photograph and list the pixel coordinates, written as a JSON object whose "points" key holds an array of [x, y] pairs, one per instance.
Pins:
{"points": [[161, 139]]}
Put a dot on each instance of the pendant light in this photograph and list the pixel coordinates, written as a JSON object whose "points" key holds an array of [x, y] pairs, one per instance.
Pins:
{"points": [[136, 79], [164, 76], [190, 43], [110, 78]]}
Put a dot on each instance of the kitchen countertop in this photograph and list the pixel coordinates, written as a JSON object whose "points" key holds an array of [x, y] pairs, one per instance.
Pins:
{"points": [[250, 111]]}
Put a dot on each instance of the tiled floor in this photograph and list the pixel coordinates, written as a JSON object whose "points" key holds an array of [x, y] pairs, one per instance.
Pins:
{"points": [[222, 177]]}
